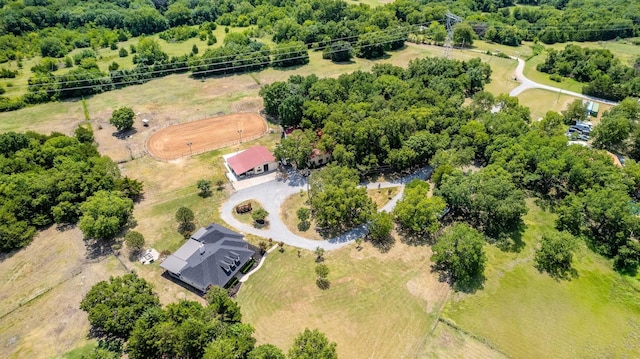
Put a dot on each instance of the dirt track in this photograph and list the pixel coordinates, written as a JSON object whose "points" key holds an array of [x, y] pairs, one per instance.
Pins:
{"points": [[205, 135]]}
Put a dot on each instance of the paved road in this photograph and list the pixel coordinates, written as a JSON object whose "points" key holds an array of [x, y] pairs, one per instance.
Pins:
{"points": [[527, 84], [272, 194]]}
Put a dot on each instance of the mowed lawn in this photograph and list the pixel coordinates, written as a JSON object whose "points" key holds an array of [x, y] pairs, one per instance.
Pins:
{"points": [[542, 101], [529, 315], [378, 305], [624, 50]]}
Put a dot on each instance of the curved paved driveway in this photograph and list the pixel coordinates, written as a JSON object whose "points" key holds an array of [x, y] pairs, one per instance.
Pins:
{"points": [[526, 84], [272, 194]]}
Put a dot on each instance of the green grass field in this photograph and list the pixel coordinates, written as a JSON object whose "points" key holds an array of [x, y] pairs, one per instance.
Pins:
{"points": [[543, 78], [527, 314], [378, 305], [623, 49], [81, 352], [541, 101]]}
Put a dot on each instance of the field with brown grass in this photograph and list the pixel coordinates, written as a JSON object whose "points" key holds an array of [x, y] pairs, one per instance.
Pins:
{"points": [[41, 287], [378, 305]]}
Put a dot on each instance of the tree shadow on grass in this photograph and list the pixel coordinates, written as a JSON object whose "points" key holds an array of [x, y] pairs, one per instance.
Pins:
{"points": [[416, 239], [559, 274], [124, 134], [323, 283], [383, 245], [98, 248], [469, 286], [510, 241]]}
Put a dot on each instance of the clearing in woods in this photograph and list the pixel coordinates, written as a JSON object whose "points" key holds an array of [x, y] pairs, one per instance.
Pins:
{"points": [[205, 135]]}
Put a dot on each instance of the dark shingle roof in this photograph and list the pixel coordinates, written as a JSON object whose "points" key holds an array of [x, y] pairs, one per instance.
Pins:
{"points": [[212, 256]]}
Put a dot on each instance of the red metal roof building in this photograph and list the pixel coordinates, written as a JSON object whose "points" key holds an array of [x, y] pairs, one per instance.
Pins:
{"points": [[255, 160]]}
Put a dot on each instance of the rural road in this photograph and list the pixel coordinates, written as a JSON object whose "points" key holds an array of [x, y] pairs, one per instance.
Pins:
{"points": [[272, 194], [527, 84]]}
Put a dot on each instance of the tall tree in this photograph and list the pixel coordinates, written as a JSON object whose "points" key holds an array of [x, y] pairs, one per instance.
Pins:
{"points": [[340, 51], [555, 254], [134, 240], [312, 345], [417, 212], [115, 305], [296, 148], [463, 35], [103, 214], [122, 118], [337, 200], [221, 306], [458, 252], [266, 351], [380, 228], [488, 198]]}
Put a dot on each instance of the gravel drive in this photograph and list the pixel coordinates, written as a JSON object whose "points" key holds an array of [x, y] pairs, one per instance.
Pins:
{"points": [[272, 194]]}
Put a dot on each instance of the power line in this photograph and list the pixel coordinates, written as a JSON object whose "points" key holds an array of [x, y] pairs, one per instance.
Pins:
{"points": [[222, 69], [194, 66], [398, 30], [451, 21]]}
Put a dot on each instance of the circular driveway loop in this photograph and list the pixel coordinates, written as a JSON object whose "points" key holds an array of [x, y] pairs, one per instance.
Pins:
{"points": [[272, 194]]}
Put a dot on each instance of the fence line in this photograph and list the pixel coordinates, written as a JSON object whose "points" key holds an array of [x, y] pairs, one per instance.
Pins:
{"points": [[190, 153], [75, 272]]}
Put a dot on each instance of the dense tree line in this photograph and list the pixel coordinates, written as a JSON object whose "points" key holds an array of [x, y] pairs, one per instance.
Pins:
{"points": [[388, 117], [125, 314], [396, 119], [619, 129], [58, 179], [592, 196], [605, 76], [53, 28]]}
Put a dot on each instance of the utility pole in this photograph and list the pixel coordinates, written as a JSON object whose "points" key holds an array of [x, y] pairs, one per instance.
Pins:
{"points": [[190, 151], [451, 21]]}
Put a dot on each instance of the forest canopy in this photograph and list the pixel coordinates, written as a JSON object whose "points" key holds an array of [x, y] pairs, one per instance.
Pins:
{"points": [[604, 75], [394, 119], [47, 179], [52, 29]]}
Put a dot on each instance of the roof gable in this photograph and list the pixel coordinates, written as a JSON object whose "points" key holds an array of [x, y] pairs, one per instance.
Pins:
{"points": [[249, 159], [213, 258], [214, 233]]}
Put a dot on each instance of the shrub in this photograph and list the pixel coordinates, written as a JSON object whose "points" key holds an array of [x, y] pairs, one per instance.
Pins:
{"points": [[8, 74], [555, 77], [134, 240], [259, 215]]}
